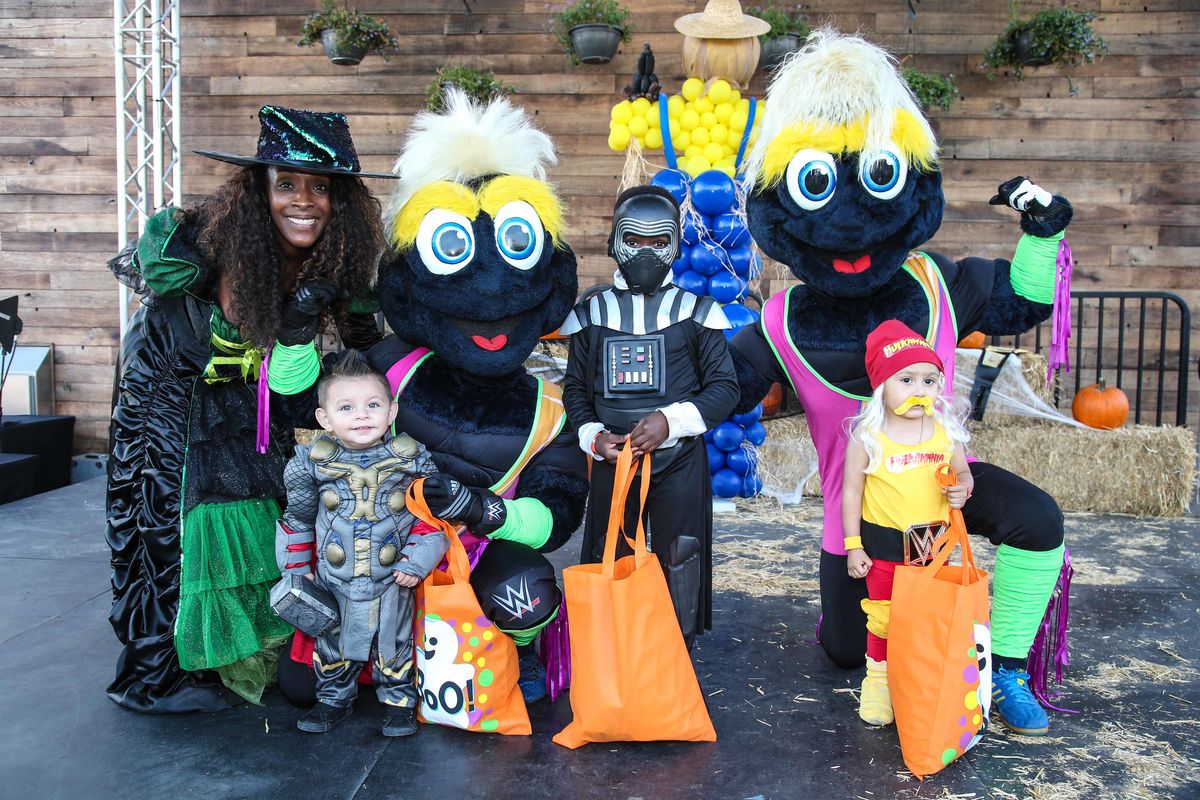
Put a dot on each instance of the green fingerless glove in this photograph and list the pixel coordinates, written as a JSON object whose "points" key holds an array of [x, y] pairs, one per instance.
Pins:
{"points": [[293, 368], [529, 522]]}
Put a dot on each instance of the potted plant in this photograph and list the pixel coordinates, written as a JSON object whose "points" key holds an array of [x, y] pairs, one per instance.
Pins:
{"points": [[931, 89], [346, 34], [479, 84], [592, 30], [787, 34], [1054, 36]]}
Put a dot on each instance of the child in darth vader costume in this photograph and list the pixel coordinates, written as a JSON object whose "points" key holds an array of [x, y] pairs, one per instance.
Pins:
{"points": [[649, 368], [845, 187], [478, 271]]}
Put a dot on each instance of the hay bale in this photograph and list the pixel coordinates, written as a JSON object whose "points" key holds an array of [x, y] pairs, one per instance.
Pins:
{"points": [[1139, 470]]}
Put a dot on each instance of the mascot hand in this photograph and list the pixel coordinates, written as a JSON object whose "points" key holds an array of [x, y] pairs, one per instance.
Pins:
{"points": [[298, 320], [1042, 214], [449, 499]]}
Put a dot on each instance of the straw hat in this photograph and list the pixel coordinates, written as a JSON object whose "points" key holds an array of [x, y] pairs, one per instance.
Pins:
{"points": [[721, 19]]}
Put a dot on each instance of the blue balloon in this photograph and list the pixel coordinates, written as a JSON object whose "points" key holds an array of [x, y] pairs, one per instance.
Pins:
{"points": [[755, 433], [755, 266], [712, 192], [750, 417], [692, 281], [740, 258], [729, 230], [683, 263], [716, 458], [739, 316], [739, 461], [727, 436], [725, 287], [674, 181], [726, 483], [690, 233], [752, 485], [707, 259]]}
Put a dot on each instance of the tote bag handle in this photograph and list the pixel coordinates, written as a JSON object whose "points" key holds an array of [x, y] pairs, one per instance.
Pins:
{"points": [[626, 471], [954, 536], [456, 556]]}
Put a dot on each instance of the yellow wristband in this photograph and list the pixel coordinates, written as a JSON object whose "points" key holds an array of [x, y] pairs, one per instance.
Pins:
{"points": [[854, 543]]}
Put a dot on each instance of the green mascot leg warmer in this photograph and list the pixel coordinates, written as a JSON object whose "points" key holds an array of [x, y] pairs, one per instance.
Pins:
{"points": [[527, 635], [1024, 581]]}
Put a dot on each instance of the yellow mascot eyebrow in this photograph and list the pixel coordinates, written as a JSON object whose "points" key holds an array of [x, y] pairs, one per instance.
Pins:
{"points": [[440, 194], [907, 133], [509, 188]]}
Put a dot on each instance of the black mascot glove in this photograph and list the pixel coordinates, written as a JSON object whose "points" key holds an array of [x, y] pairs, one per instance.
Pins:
{"points": [[1042, 214], [299, 318], [449, 499]]}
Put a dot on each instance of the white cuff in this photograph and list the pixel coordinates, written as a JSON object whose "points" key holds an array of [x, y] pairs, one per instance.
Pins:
{"points": [[683, 419], [587, 435]]}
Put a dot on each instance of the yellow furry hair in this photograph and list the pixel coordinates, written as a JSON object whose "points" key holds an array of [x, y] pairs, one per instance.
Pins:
{"points": [[441, 194], [507, 188]]}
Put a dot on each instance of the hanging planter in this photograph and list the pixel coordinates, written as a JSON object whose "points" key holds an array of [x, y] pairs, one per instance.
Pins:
{"points": [[346, 34], [592, 30], [1055, 36], [787, 35], [479, 84], [344, 53], [931, 89], [595, 42]]}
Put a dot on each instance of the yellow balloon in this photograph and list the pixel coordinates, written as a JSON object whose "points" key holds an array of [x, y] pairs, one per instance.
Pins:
{"points": [[738, 121], [713, 152], [622, 112], [700, 136], [744, 105], [720, 90], [727, 169], [697, 165], [682, 141], [734, 97], [708, 119], [718, 133], [689, 120], [675, 106], [693, 151], [704, 104], [691, 88], [640, 105], [654, 140], [638, 126], [731, 147], [618, 138], [723, 112], [673, 126], [652, 117]]}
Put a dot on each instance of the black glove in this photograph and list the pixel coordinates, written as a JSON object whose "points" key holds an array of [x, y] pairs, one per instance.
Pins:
{"points": [[1042, 214], [480, 510], [299, 318]]}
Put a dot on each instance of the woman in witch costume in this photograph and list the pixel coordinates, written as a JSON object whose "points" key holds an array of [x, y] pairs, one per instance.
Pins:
{"points": [[197, 443]]}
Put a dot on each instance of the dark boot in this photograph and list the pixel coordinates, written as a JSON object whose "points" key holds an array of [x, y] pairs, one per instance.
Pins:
{"points": [[323, 718], [400, 721], [683, 579], [532, 679]]}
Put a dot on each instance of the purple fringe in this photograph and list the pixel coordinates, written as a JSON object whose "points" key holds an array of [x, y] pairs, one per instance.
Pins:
{"points": [[1050, 646], [1060, 335], [556, 653], [262, 434]]}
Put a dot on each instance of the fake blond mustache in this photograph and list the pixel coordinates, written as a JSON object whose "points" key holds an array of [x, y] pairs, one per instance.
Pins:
{"points": [[912, 402]]}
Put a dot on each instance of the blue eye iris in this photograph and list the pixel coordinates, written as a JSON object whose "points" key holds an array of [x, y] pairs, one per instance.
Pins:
{"points": [[816, 180], [882, 172], [515, 238], [451, 243]]}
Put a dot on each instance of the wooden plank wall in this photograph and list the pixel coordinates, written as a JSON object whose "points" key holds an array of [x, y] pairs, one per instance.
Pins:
{"points": [[1126, 150]]}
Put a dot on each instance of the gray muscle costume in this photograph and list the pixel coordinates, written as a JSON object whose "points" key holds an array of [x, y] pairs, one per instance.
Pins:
{"points": [[351, 504]]}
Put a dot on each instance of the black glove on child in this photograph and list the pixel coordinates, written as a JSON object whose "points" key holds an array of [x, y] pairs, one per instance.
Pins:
{"points": [[298, 319], [1042, 214], [480, 510]]}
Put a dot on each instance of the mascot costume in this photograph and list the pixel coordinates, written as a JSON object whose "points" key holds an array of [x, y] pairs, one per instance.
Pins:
{"points": [[478, 272], [844, 185]]}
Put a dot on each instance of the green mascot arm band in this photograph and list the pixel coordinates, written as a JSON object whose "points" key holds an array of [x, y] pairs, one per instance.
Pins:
{"points": [[293, 368], [1033, 267], [528, 523]]}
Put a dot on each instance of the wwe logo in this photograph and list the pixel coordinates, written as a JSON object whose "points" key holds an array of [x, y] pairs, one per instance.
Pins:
{"points": [[493, 509], [919, 540], [517, 601]]}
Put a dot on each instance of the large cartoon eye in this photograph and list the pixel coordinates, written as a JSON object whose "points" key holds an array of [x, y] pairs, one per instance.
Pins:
{"points": [[519, 234], [811, 178], [445, 241], [882, 173]]}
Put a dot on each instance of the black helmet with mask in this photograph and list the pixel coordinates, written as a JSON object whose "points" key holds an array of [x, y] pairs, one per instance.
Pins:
{"points": [[651, 212]]}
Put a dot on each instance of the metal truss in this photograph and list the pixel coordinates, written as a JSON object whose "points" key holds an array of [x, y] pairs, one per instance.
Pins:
{"points": [[146, 34]]}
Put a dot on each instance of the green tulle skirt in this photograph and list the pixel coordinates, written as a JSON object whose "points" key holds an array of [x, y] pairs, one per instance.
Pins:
{"points": [[227, 568]]}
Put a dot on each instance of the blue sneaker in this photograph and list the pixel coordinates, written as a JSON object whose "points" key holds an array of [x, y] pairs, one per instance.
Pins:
{"points": [[532, 680], [1016, 705]]}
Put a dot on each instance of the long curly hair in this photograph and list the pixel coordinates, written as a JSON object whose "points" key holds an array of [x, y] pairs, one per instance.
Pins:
{"points": [[236, 233]]}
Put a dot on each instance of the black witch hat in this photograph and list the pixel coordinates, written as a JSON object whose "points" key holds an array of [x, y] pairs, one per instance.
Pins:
{"points": [[310, 141]]}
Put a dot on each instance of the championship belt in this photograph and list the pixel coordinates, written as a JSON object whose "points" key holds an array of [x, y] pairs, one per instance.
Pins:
{"points": [[303, 604], [918, 542]]}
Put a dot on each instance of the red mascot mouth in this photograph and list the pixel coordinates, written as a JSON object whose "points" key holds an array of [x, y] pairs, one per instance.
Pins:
{"points": [[494, 343], [860, 264]]}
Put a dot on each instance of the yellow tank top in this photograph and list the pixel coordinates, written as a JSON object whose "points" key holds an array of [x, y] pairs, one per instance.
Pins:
{"points": [[903, 491]]}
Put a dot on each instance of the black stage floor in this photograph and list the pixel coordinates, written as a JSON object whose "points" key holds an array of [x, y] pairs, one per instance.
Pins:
{"points": [[785, 718]]}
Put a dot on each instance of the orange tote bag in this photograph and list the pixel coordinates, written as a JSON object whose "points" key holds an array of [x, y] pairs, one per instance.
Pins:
{"points": [[631, 677], [939, 653], [466, 667]]}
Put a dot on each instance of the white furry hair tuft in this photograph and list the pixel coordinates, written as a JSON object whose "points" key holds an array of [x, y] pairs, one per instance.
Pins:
{"points": [[468, 141], [835, 79]]}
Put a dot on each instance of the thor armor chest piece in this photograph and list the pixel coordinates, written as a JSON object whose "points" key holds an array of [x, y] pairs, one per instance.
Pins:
{"points": [[362, 521]]}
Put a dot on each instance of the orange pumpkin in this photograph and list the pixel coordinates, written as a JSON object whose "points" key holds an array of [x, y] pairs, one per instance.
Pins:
{"points": [[973, 341], [771, 402], [1098, 406]]}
